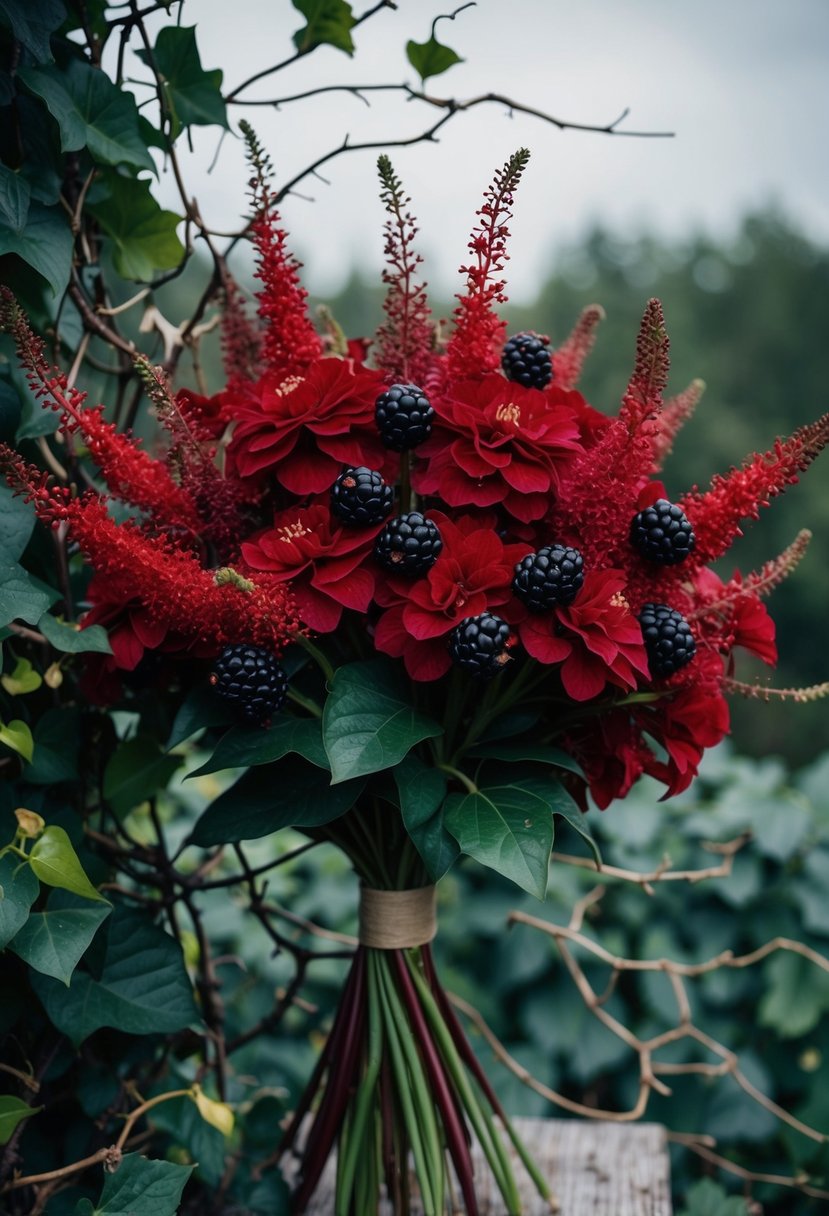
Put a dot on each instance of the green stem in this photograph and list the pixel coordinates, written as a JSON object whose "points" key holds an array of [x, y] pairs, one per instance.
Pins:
{"points": [[347, 1163], [305, 702], [465, 781], [318, 657]]}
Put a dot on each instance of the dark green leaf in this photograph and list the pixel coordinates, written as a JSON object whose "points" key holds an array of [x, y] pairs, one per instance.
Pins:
{"points": [[243, 747], [45, 244], [70, 639], [144, 237], [12, 1112], [431, 58], [110, 114], [706, 1198], [57, 740], [142, 987], [140, 1188], [368, 724], [20, 890], [328, 21], [137, 771], [53, 941], [17, 521], [49, 85], [180, 1118], [22, 597], [55, 862], [192, 95], [10, 410], [293, 794], [422, 790], [797, 996], [32, 23], [508, 828], [200, 709], [15, 195], [538, 753]]}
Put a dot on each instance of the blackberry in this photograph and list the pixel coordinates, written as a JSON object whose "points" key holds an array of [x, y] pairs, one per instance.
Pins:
{"points": [[251, 679], [526, 359], [551, 577], [668, 639], [662, 533], [480, 643], [360, 496], [409, 544], [403, 416]]}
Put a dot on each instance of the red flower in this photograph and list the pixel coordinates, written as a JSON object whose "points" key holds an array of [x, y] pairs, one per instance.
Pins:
{"points": [[498, 442], [305, 429], [322, 559], [613, 754], [694, 718], [472, 574], [733, 615], [596, 638]]}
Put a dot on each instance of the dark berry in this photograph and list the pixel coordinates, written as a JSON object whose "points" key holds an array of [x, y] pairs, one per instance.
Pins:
{"points": [[409, 544], [251, 679], [548, 578], [526, 359], [662, 533], [668, 639], [480, 644], [404, 417], [360, 497]]}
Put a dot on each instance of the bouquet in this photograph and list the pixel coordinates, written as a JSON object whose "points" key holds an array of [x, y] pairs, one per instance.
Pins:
{"points": [[434, 600]]}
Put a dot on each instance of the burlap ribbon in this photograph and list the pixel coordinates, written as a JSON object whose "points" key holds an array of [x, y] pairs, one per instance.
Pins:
{"points": [[393, 920]]}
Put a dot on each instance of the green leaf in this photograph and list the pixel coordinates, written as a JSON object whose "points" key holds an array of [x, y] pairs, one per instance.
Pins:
{"points": [[71, 639], [55, 862], [192, 95], [49, 85], [20, 890], [200, 709], [57, 738], [12, 1112], [328, 21], [17, 521], [422, 791], [137, 771], [243, 747], [294, 794], [142, 986], [45, 244], [508, 828], [368, 724], [797, 996], [140, 1188], [181, 1119], [22, 597], [54, 941], [537, 753], [707, 1198], [143, 236], [431, 58], [32, 23], [110, 115], [18, 737], [23, 679], [15, 196]]}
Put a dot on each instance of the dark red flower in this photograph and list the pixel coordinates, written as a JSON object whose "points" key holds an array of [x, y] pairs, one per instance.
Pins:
{"points": [[305, 429], [494, 441], [692, 719]]}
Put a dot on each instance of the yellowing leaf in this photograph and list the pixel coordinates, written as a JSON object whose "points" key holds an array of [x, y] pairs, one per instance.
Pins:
{"points": [[53, 676], [217, 1114], [56, 863], [22, 680], [29, 823], [18, 737]]}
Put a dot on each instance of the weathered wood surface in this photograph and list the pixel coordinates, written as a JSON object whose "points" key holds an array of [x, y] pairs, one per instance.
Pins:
{"points": [[595, 1169]]}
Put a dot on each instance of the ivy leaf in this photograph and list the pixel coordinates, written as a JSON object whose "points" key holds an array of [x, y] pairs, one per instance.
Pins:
{"points": [[23, 679], [137, 771], [143, 236], [508, 828], [242, 747], [707, 1198], [49, 85], [56, 863], [140, 1188], [20, 890], [15, 196], [57, 738], [32, 24], [110, 115], [22, 597], [142, 986], [71, 639], [422, 791], [12, 1112], [788, 974], [18, 737], [17, 521], [431, 58], [537, 753], [368, 724], [329, 22], [192, 95], [54, 941], [45, 244]]}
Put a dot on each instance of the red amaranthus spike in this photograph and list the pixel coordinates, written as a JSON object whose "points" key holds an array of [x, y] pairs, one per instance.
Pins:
{"points": [[675, 413], [738, 495], [474, 347], [569, 359], [241, 340], [760, 582], [404, 341], [289, 342], [643, 399]]}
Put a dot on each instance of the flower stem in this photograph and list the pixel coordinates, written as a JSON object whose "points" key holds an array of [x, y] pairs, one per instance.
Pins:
{"points": [[357, 1137]]}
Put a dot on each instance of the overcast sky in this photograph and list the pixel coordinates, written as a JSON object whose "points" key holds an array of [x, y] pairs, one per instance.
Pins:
{"points": [[744, 84]]}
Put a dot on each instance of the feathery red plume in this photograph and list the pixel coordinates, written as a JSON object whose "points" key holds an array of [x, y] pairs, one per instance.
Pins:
{"points": [[569, 359], [675, 413], [241, 340]]}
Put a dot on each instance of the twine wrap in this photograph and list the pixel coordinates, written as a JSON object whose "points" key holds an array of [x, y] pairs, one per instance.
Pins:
{"points": [[394, 920]]}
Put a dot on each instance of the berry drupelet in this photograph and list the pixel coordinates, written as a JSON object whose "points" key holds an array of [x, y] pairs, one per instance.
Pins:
{"points": [[404, 417], [662, 533], [360, 497], [251, 679], [526, 360], [480, 644], [409, 544], [550, 578], [669, 643]]}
